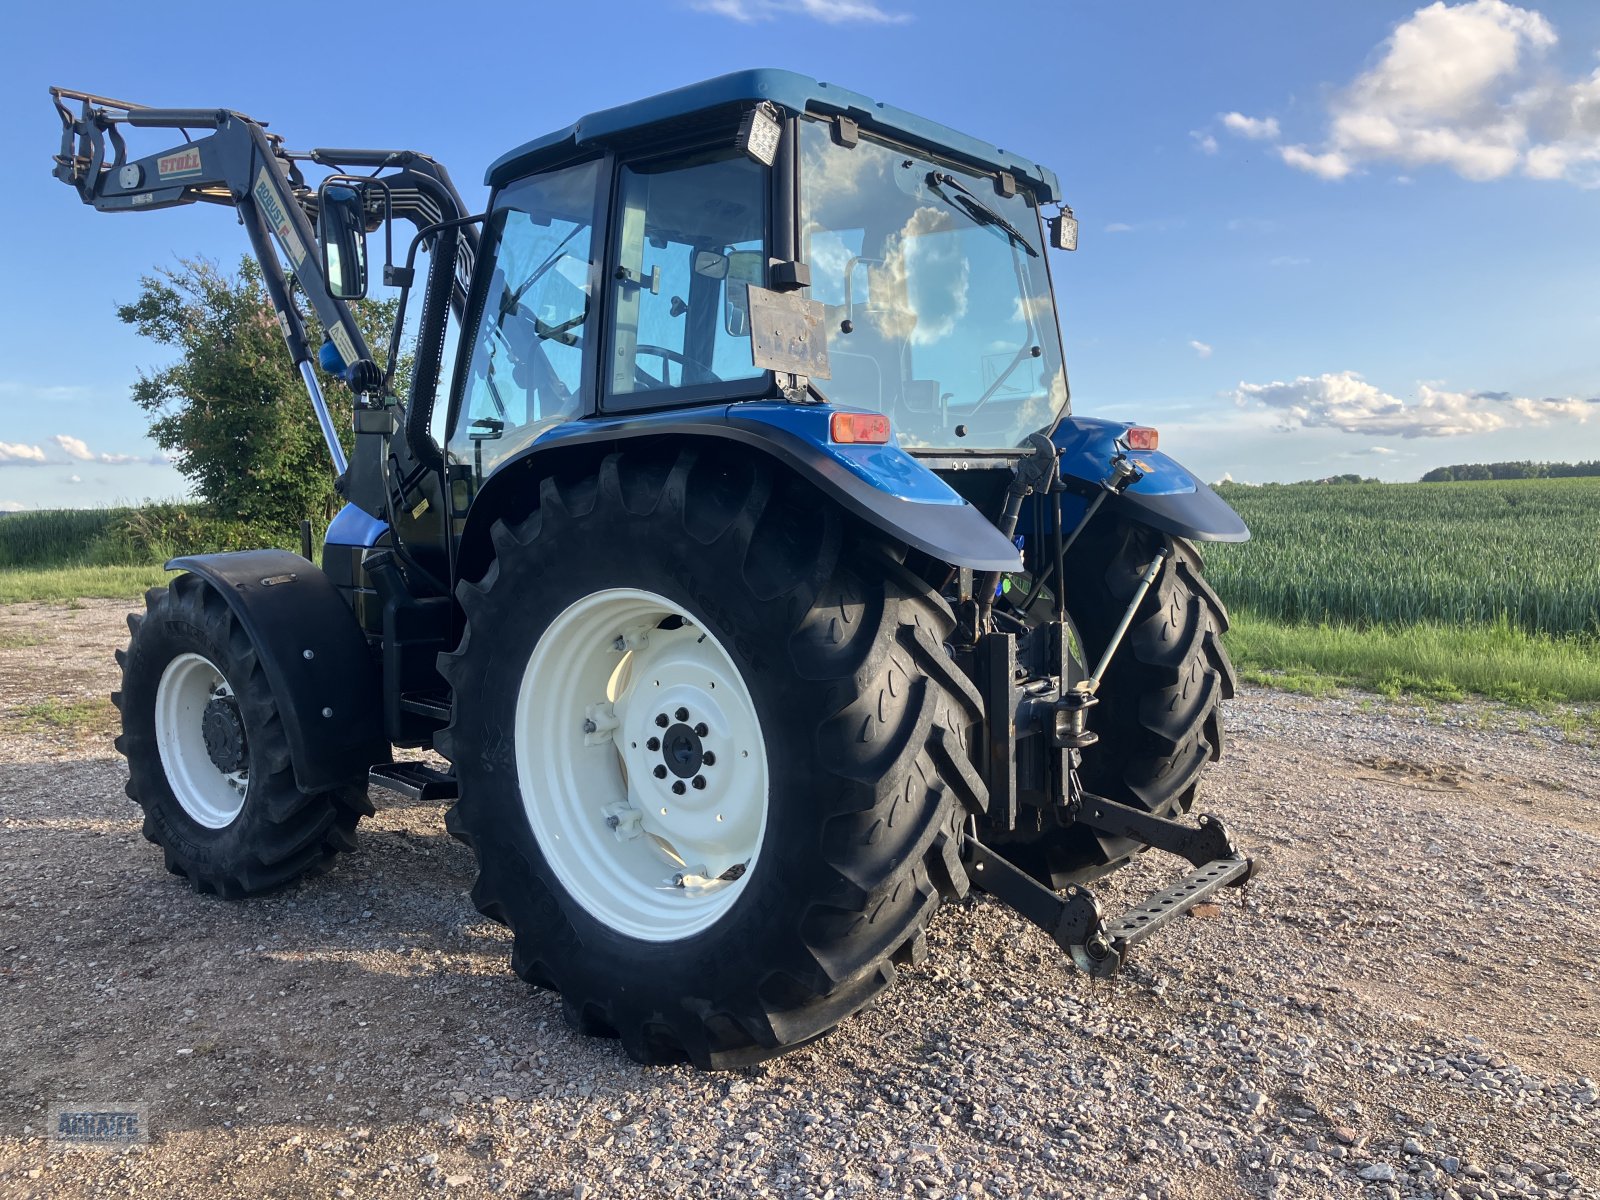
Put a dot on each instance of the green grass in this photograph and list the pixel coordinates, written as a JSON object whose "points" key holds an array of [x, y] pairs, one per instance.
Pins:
{"points": [[52, 537], [83, 716], [1521, 552], [79, 583], [127, 537], [1428, 660], [114, 553]]}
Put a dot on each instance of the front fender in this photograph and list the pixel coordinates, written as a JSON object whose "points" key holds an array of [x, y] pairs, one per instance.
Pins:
{"points": [[882, 485], [315, 658], [1168, 497]]}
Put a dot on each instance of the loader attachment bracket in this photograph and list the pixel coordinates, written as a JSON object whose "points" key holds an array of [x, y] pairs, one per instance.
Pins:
{"points": [[1074, 919]]}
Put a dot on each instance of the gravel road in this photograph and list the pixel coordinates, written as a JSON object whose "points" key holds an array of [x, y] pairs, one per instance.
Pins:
{"points": [[1406, 1003]]}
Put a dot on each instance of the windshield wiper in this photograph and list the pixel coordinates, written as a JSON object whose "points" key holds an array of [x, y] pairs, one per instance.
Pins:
{"points": [[978, 210]]}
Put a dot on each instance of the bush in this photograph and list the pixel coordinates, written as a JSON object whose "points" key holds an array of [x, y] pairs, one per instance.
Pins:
{"points": [[158, 532]]}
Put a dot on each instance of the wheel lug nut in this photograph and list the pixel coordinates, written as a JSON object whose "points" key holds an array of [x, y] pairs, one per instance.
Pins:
{"points": [[653, 744], [699, 782], [709, 758], [661, 720], [678, 789], [661, 771], [701, 730], [682, 714]]}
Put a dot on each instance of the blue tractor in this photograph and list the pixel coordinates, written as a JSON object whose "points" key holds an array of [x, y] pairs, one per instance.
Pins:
{"points": [[747, 565]]}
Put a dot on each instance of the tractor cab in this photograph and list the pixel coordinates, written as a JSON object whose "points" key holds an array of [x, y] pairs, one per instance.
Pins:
{"points": [[760, 236]]}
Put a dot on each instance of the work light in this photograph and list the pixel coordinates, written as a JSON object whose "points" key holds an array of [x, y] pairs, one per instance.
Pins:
{"points": [[759, 132]]}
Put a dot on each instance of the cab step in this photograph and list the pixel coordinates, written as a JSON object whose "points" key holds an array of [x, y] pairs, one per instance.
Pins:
{"points": [[414, 781]]}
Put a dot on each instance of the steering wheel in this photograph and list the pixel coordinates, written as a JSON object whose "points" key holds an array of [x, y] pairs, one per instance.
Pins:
{"points": [[665, 355]]}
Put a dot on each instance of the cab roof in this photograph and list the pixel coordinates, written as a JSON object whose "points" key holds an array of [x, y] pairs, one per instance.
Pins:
{"points": [[791, 91]]}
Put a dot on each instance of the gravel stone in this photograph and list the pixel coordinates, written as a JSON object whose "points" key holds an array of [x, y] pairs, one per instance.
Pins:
{"points": [[1410, 979]]}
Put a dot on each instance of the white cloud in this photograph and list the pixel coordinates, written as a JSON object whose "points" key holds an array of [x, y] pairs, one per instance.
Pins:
{"points": [[1254, 225], [1261, 129], [1200, 348], [1153, 225], [11, 506], [1206, 142], [74, 478], [1331, 165], [16, 452], [1347, 402], [40, 393], [75, 447], [830, 12], [1460, 86]]}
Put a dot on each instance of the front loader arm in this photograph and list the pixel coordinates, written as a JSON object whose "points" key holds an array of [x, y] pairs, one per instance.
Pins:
{"points": [[240, 164]]}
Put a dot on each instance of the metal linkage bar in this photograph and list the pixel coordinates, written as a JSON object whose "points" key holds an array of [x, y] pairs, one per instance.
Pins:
{"points": [[1139, 923], [1074, 920], [1197, 845], [324, 418]]}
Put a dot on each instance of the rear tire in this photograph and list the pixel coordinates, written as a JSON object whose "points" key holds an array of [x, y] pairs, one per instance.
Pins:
{"points": [[1159, 716], [860, 717], [207, 757]]}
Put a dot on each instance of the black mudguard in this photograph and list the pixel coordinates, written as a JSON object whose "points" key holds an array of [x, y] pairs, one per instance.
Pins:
{"points": [[315, 657], [882, 485]]}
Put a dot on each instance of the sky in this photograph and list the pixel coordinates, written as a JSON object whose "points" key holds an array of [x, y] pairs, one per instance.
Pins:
{"points": [[1317, 238]]}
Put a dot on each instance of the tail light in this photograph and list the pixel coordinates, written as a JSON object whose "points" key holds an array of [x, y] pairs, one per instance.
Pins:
{"points": [[850, 428], [1142, 437]]}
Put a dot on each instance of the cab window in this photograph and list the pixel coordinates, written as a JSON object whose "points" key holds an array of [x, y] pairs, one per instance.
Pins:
{"points": [[691, 237], [526, 371]]}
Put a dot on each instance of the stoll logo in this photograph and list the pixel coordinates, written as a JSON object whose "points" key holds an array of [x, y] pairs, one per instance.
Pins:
{"points": [[101, 1124], [179, 163]]}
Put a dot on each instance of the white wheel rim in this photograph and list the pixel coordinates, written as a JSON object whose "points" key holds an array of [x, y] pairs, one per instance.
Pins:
{"points": [[210, 796], [650, 861]]}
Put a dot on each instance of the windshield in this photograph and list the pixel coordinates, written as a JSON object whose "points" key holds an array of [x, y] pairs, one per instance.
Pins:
{"points": [[937, 295]]}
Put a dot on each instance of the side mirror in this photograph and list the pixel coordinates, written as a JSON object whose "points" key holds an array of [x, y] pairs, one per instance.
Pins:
{"points": [[1064, 230], [711, 264], [342, 230]]}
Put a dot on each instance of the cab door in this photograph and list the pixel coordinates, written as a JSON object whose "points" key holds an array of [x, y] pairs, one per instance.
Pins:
{"points": [[533, 324]]}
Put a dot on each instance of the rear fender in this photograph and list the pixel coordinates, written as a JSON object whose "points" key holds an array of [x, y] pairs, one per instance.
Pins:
{"points": [[882, 485], [315, 658], [1167, 497]]}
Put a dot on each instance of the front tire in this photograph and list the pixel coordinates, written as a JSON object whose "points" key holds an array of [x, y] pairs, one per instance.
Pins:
{"points": [[616, 605], [208, 760]]}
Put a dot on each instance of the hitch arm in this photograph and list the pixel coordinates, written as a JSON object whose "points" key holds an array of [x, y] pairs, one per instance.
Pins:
{"points": [[1207, 843], [1075, 922]]}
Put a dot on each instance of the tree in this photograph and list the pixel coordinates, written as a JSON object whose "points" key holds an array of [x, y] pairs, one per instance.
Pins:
{"points": [[1523, 469], [232, 411]]}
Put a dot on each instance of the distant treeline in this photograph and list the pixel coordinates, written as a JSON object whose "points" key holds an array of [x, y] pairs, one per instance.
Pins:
{"points": [[1463, 472]]}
